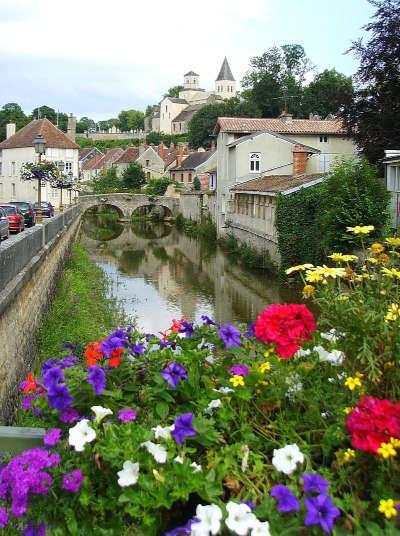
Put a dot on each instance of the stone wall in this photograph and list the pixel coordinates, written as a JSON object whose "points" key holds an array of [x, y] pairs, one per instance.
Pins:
{"points": [[29, 269], [257, 241], [191, 204]]}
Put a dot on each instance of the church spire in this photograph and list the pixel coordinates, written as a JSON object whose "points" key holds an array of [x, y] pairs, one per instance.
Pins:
{"points": [[225, 72]]}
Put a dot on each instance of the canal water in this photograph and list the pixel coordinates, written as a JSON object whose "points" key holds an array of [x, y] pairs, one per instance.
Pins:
{"points": [[159, 274]]}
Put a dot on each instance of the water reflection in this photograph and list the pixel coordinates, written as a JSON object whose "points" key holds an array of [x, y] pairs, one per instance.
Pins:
{"points": [[161, 274]]}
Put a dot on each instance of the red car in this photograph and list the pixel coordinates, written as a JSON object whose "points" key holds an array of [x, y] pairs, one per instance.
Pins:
{"points": [[16, 221]]}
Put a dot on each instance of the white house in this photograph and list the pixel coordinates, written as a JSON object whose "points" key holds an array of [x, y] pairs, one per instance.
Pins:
{"points": [[392, 181], [18, 149]]}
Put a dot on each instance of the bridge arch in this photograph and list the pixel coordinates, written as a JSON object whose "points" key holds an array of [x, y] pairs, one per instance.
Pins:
{"points": [[153, 210]]}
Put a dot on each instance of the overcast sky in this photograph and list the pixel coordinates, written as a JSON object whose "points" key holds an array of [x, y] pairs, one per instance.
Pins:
{"points": [[97, 57]]}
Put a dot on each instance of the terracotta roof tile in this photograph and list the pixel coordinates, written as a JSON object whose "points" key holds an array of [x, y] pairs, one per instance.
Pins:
{"points": [[275, 183], [84, 152], [293, 126], [129, 155], [92, 162], [110, 157], [54, 137]]}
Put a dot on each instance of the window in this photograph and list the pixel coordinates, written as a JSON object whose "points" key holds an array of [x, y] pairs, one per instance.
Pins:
{"points": [[12, 168], [147, 163], [190, 177], [166, 108], [13, 189], [323, 139], [68, 167], [174, 127], [254, 162], [182, 177], [180, 127], [173, 176], [1, 168]]}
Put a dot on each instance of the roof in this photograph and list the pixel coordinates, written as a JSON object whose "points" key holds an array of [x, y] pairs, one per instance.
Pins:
{"points": [[55, 138], [177, 101], [188, 112], [194, 160], [277, 183], [276, 135], [170, 157], [191, 73], [92, 163], [294, 126], [84, 152], [225, 72], [129, 155], [110, 156]]}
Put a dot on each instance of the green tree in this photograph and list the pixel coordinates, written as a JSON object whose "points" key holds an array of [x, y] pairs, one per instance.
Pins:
{"points": [[45, 111], [11, 112], [157, 186], [327, 94], [134, 177], [84, 124], [202, 124], [373, 116], [197, 183], [130, 120], [275, 81], [106, 183], [173, 91]]}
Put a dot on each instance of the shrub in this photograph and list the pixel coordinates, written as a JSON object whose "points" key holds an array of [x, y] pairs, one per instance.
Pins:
{"points": [[157, 186]]}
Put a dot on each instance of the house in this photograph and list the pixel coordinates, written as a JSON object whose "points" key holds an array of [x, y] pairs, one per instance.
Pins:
{"points": [[194, 165], [18, 149], [99, 164], [155, 160], [86, 154], [129, 155], [392, 181], [254, 148]]}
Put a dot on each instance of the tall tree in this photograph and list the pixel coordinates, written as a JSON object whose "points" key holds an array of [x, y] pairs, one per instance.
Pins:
{"points": [[45, 111], [84, 124], [173, 91], [134, 177], [11, 113], [373, 116], [327, 94], [130, 120]]}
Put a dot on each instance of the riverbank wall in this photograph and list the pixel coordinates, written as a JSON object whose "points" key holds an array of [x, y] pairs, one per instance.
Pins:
{"points": [[30, 267]]}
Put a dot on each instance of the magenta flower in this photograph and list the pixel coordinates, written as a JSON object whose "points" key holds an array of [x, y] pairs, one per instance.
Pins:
{"points": [[321, 511], [52, 437], [125, 415], [31, 531], [69, 415], [314, 483], [3, 517], [174, 373], [239, 370], [72, 481], [230, 335], [287, 501], [183, 427]]}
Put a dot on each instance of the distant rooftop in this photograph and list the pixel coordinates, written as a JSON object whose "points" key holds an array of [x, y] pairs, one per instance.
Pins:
{"points": [[191, 73], [225, 72]]}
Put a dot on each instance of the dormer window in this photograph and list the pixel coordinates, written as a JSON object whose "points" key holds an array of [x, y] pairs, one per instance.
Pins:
{"points": [[254, 162]]}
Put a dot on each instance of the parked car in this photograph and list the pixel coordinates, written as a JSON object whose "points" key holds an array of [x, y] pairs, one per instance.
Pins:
{"points": [[4, 226], [16, 221], [47, 209], [27, 211]]}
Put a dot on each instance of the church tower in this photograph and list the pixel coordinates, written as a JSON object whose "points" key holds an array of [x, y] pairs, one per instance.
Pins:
{"points": [[191, 80], [225, 83]]}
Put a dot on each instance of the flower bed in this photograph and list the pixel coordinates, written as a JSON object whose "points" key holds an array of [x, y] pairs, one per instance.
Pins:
{"points": [[279, 428]]}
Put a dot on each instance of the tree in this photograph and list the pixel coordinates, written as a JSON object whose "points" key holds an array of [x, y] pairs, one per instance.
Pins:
{"points": [[134, 177], [202, 124], [173, 91], [85, 124], [157, 186], [11, 112], [276, 79], [106, 183], [45, 111], [130, 120], [197, 183], [327, 94], [373, 116]]}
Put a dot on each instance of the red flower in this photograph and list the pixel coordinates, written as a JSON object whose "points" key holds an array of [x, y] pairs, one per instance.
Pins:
{"points": [[287, 325], [29, 383], [372, 422], [93, 354], [176, 324], [115, 358]]}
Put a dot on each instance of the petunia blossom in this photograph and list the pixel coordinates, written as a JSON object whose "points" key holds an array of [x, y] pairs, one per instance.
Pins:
{"points": [[80, 434], [127, 414], [129, 474], [52, 437], [97, 378], [321, 511], [183, 427], [287, 500], [158, 452], [101, 412], [230, 335], [314, 483], [209, 520], [174, 373], [72, 481], [240, 518], [285, 460]]}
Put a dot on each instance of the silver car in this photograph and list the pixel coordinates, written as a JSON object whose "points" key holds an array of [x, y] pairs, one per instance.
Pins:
{"points": [[4, 229]]}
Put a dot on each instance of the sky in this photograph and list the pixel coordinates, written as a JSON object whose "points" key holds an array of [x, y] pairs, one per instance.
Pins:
{"points": [[97, 57]]}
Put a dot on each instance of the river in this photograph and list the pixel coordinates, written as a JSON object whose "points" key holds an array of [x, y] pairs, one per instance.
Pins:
{"points": [[159, 273]]}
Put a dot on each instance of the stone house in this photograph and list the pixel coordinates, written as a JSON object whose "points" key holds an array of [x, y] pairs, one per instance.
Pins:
{"points": [[194, 165], [99, 164], [155, 160], [392, 181], [18, 149], [86, 154]]}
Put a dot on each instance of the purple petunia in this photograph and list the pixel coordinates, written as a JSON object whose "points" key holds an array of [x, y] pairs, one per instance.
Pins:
{"points": [[59, 396], [47, 365], [287, 501], [208, 321], [164, 344], [239, 370], [137, 349], [174, 373], [69, 415], [68, 346], [67, 362], [53, 377], [249, 331], [183, 427], [314, 483], [321, 511], [3, 517], [181, 531], [72, 481], [186, 328], [250, 504], [117, 339], [230, 335], [52, 437], [31, 531], [127, 414], [97, 378], [26, 402]]}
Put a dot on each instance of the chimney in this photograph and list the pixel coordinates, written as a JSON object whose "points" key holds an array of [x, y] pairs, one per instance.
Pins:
{"points": [[213, 146], [286, 117], [71, 127], [180, 155], [300, 157], [161, 151], [10, 130]]}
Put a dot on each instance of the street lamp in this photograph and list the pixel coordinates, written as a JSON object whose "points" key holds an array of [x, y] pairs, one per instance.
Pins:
{"points": [[39, 144], [61, 167], [70, 175]]}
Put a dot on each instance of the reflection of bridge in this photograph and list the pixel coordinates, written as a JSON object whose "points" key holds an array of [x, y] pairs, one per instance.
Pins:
{"points": [[127, 203]]}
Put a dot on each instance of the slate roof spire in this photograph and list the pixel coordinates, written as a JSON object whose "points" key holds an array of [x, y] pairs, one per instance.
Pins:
{"points": [[225, 72]]}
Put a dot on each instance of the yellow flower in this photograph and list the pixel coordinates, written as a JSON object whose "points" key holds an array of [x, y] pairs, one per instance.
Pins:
{"points": [[391, 272], [328, 271], [237, 380], [376, 248], [348, 410], [386, 450], [340, 257], [394, 241], [383, 258], [393, 312], [372, 260], [313, 277], [352, 383], [298, 268], [268, 352], [348, 454], [395, 442], [265, 367], [263, 383], [386, 507], [308, 291], [343, 297], [360, 229]]}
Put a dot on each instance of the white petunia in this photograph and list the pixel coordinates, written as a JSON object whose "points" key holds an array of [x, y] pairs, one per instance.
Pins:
{"points": [[161, 432], [158, 452], [100, 412], [240, 518], [214, 404], [224, 390], [178, 459], [177, 350], [286, 459], [129, 474], [331, 335], [335, 357], [153, 348], [210, 520], [302, 353], [260, 528], [196, 467], [80, 434]]}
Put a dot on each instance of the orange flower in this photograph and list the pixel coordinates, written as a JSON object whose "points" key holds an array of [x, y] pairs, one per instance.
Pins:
{"points": [[176, 324], [93, 354], [30, 383], [115, 358]]}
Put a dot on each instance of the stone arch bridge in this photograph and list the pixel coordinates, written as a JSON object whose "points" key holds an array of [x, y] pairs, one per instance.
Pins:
{"points": [[126, 203]]}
